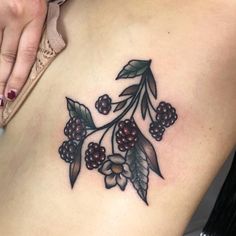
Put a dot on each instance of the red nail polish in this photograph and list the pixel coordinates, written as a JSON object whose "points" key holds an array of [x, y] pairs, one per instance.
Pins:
{"points": [[1, 101], [11, 95]]}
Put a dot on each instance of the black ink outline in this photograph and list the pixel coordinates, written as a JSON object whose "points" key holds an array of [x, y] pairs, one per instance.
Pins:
{"points": [[137, 95]]}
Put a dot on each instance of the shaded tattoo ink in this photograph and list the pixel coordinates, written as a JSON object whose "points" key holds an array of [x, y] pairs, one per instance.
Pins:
{"points": [[131, 155]]}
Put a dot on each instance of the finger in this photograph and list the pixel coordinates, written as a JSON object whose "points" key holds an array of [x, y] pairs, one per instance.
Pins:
{"points": [[26, 56], [10, 41], [1, 96], [1, 33]]}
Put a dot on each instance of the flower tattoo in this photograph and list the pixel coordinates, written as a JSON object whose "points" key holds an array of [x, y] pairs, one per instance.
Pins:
{"points": [[116, 171], [132, 155]]}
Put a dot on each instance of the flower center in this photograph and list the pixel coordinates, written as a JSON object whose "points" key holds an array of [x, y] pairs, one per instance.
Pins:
{"points": [[116, 169]]}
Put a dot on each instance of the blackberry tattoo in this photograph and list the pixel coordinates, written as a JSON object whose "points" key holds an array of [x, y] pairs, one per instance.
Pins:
{"points": [[75, 129], [103, 104], [68, 151], [156, 130], [131, 155], [127, 135], [166, 114], [94, 155]]}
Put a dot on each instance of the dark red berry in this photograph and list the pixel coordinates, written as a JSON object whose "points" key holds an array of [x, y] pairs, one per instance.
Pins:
{"points": [[75, 129], [68, 151], [126, 135], [156, 130], [94, 155], [103, 104], [166, 114]]}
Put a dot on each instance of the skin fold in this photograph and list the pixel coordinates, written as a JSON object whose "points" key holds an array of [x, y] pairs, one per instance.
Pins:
{"points": [[192, 47]]}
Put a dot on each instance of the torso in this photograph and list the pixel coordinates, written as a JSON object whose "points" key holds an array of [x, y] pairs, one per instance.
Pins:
{"points": [[192, 47]]}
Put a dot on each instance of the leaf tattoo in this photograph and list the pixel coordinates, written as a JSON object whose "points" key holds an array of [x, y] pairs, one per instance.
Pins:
{"points": [[131, 90], [133, 69], [152, 84], [79, 110], [75, 166], [120, 105], [149, 151], [133, 156], [137, 161], [144, 105]]}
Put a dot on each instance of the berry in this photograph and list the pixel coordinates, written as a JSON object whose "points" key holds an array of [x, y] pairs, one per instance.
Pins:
{"points": [[103, 104], [94, 155], [166, 114], [67, 151], [156, 130], [126, 135], [75, 129]]}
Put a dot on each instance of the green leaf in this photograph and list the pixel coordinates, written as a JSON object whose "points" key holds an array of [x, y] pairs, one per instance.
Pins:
{"points": [[131, 90], [79, 110], [139, 168], [152, 83], [144, 105], [75, 166], [133, 69]]}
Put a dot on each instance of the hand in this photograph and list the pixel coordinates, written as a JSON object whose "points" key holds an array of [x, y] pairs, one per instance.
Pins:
{"points": [[21, 24]]}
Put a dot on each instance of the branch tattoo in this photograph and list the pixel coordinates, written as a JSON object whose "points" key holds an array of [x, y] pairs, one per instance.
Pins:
{"points": [[132, 155]]}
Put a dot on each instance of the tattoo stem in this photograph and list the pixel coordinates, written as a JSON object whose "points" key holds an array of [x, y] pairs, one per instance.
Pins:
{"points": [[150, 103], [104, 134], [113, 138], [114, 103], [150, 115], [135, 108], [118, 118]]}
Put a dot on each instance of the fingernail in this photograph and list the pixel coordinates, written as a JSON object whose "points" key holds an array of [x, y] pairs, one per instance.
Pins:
{"points": [[1, 101], [11, 95]]}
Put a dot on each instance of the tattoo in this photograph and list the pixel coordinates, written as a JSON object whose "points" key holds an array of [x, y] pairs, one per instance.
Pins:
{"points": [[131, 155]]}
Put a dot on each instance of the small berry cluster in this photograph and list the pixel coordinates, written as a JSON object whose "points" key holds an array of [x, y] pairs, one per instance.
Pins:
{"points": [[76, 131], [126, 135], [103, 104], [94, 155], [165, 117], [67, 151]]}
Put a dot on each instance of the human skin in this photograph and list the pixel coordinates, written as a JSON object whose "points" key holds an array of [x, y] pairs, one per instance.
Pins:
{"points": [[21, 25], [192, 47]]}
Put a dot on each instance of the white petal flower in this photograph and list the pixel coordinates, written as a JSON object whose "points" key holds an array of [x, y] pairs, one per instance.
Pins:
{"points": [[117, 159], [116, 171], [110, 181], [106, 168], [121, 181], [126, 171]]}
